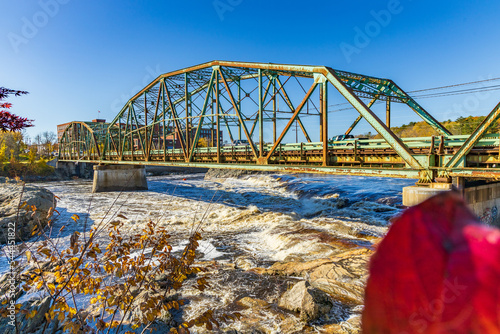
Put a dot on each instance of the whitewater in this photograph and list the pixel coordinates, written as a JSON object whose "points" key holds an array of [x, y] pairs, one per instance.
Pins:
{"points": [[249, 222]]}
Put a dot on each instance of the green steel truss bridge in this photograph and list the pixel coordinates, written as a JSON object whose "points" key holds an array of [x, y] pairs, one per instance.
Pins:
{"points": [[177, 120]]}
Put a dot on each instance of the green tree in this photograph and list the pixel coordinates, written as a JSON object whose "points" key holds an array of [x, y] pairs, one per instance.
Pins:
{"points": [[32, 155], [3, 155]]}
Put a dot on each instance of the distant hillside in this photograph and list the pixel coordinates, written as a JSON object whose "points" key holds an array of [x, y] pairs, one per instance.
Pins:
{"points": [[461, 126]]}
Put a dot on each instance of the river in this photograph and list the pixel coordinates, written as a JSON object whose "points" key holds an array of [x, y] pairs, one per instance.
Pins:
{"points": [[249, 222]]}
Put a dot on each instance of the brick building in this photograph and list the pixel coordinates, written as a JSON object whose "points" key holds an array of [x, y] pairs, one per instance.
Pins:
{"points": [[62, 127]]}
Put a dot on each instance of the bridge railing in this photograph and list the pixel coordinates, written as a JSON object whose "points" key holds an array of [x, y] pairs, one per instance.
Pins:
{"points": [[492, 140]]}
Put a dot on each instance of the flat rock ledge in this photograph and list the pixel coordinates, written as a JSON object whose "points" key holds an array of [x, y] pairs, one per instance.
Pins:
{"points": [[343, 276], [215, 174], [332, 290]]}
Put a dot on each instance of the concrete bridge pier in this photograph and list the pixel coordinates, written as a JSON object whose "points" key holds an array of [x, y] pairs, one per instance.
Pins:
{"points": [[482, 196], [78, 169], [119, 178]]}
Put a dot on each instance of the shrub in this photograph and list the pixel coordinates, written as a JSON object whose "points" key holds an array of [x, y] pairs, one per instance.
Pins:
{"points": [[114, 276]]}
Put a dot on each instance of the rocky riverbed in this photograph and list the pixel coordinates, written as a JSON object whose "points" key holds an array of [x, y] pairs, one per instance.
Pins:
{"points": [[288, 252]]}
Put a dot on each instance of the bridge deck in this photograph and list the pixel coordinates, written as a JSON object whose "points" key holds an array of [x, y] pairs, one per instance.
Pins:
{"points": [[360, 157]]}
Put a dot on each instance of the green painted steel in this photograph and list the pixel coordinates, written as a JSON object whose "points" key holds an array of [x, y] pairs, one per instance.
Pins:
{"points": [[164, 123], [374, 121], [474, 138], [360, 117], [419, 110]]}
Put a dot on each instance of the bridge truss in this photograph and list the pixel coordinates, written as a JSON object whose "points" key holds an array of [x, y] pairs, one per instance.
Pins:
{"points": [[178, 119]]}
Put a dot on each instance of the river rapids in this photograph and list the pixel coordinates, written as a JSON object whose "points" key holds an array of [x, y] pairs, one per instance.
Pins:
{"points": [[249, 225]]}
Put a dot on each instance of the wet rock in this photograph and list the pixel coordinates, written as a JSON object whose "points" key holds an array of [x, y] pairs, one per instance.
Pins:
{"points": [[292, 325], [294, 268], [35, 325], [46, 266], [5, 287], [342, 276], [140, 302], [309, 301], [12, 194], [345, 279], [217, 174], [348, 293], [391, 201], [252, 303], [244, 263], [42, 307], [350, 326]]}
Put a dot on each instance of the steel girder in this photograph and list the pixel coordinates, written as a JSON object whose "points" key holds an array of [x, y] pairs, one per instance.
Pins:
{"points": [[166, 120], [180, 86], [82, 141], [386, 90], [459, 157]]}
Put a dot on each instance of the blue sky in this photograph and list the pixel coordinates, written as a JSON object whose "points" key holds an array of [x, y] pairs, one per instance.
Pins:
{"points": [[76, 57]]}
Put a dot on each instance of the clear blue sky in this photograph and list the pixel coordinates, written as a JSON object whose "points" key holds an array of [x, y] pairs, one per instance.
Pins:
{"points": [[76, 57]]}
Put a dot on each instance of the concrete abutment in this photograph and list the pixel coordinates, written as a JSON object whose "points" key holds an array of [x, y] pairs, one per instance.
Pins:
{"points": [[119, 178], [77, 169], [483, 198]]}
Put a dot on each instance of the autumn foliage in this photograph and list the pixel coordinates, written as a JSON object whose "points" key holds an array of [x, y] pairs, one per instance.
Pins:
{"points": [[436, 271], [9, 121]]}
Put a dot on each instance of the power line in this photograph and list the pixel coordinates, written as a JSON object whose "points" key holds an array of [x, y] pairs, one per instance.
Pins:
{"points": [[460, 92], [441, 94], [455, 85]]}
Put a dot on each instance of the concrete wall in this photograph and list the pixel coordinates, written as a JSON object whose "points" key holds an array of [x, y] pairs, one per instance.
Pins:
{"points": [[119, 178], [483, 200], [414, 195], [80, 169]]}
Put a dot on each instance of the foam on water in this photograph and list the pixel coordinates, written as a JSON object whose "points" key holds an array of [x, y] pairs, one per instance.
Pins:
{"points": [[263, 218]]}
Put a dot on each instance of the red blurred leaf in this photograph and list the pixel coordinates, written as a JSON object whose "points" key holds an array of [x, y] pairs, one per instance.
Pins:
{"points": [[4, 92], [436, 271], [8, 121], [11, 122]]}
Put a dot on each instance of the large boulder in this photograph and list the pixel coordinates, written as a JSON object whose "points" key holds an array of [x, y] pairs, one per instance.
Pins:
{"points": [[34, 325], [343, 276], [12, 195], [309, 301]]}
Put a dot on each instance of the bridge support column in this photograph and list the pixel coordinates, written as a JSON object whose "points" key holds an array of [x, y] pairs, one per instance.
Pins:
{"points": [[119, 178], [81, 170], [414, 195], [483, 198]]}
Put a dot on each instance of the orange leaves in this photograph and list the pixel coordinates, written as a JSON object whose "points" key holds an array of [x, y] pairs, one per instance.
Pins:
{"points": [[202, 283], [28, 255], [51, 211], [129, 267], [74, 241], [31, 314]]}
